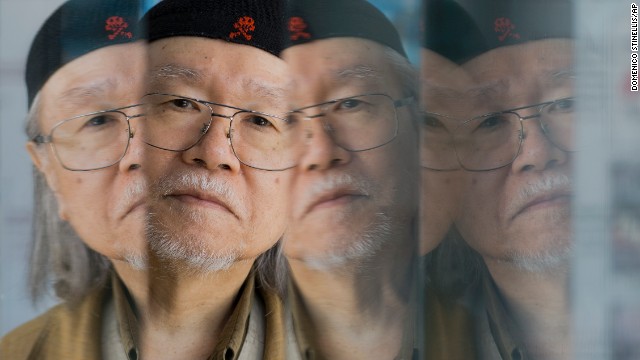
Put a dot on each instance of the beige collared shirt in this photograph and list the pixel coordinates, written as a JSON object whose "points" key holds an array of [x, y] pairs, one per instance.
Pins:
{"points": [[498, 335], [104, 326], [448, 328], [303, 332]]}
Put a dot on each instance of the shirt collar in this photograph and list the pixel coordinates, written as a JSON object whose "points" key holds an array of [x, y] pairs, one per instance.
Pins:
{"points": [[232, 335], [235, 330], [126, 317], [503, 328], [301, 323], [303, 328]]}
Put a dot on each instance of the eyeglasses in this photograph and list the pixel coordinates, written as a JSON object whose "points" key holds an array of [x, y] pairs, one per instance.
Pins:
{"points": [[91, 141], [357, 123], [436, 149], [494, 140], [258, 140]]}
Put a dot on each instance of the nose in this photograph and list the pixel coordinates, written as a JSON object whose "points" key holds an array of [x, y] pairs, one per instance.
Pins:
{"points": [[537, 152], [213, 151], [321, 151], [132, 159]]}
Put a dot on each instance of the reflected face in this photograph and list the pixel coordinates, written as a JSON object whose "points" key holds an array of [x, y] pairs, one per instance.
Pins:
{"points": [[520, 213], [443, 85], [105, 206], [209, 210], [348, 204]]}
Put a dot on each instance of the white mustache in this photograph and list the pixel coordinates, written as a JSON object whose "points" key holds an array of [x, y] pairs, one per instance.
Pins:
{"points": [[134, 192], [177, 182], [540, 187], [328, 184]]}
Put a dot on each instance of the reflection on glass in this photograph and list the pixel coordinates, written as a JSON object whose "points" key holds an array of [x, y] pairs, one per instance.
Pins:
{"points": [[494, 140], [511, 240], [351, 244]]}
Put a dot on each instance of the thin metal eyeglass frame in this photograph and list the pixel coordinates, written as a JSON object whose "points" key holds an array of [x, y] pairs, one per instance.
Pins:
{"points": [[521, 136], [422, 113], [229, 133], [48, 139], [396, 104]]}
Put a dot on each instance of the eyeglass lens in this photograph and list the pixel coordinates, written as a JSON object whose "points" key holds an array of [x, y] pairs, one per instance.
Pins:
{"points": [[258, 140], [491, 141], [92, 141], [437, 150], [357, 123]]}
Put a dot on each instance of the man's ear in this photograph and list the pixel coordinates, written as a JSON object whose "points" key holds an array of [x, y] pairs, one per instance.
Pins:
{"points": [[38, 157], [34, 154]]}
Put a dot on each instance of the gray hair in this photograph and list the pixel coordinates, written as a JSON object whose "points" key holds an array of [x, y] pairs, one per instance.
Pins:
{"points": [[58, 257], [409, 78], [272, 270], [407, 74]]}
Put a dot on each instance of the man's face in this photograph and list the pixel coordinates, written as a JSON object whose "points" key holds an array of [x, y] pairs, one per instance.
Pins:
{"points": [[346, 204], [520, 213], [443, 85], [104, 206], [208, 209]]}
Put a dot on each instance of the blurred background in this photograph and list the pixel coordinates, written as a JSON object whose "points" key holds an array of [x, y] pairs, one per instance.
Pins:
{"points": [[19, 21]]}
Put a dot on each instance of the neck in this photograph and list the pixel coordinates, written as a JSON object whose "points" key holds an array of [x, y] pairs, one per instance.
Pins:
{"points": [[182, 312], [357, 311], [539, 303]]}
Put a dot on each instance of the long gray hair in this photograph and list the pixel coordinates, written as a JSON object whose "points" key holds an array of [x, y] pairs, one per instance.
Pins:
{"points": [[407, 74], [58, 258], [272, 270]]}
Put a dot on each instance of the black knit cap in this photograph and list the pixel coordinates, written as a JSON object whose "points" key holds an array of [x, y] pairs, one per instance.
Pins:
{"points": [[463, 29], [75, 29], [256, 23], [310, 20]]}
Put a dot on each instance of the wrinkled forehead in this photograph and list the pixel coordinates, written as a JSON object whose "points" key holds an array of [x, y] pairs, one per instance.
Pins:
{"points": [[339, 67], [529, 72], [443, 84], [107, 78], [216, 70]]}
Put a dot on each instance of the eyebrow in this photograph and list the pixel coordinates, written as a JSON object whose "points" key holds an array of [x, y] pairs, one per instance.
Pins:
{"points": [[81, 95], [564, 73], [489, 90], [174, 72], [263, 90], [502, 86], [560, 77], [438, 92], [360, 73]]}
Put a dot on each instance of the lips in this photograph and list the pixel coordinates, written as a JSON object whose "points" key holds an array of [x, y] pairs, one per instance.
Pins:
{"points": [[544, 200], [334, 197], [198, 198], [133, 207]]}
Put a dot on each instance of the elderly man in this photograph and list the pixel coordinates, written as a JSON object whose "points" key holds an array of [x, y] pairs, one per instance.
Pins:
{"points": [[351, 242], [84, 78], [516, 145], [218, 164]]}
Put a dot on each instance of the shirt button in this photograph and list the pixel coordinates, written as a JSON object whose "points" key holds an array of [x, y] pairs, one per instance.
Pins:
{"points": [[516, 354], [133, 354]]}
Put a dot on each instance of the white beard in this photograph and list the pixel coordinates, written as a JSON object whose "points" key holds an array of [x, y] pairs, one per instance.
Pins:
{"points": [[187, 250], [557, 256], [359, 248]]}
